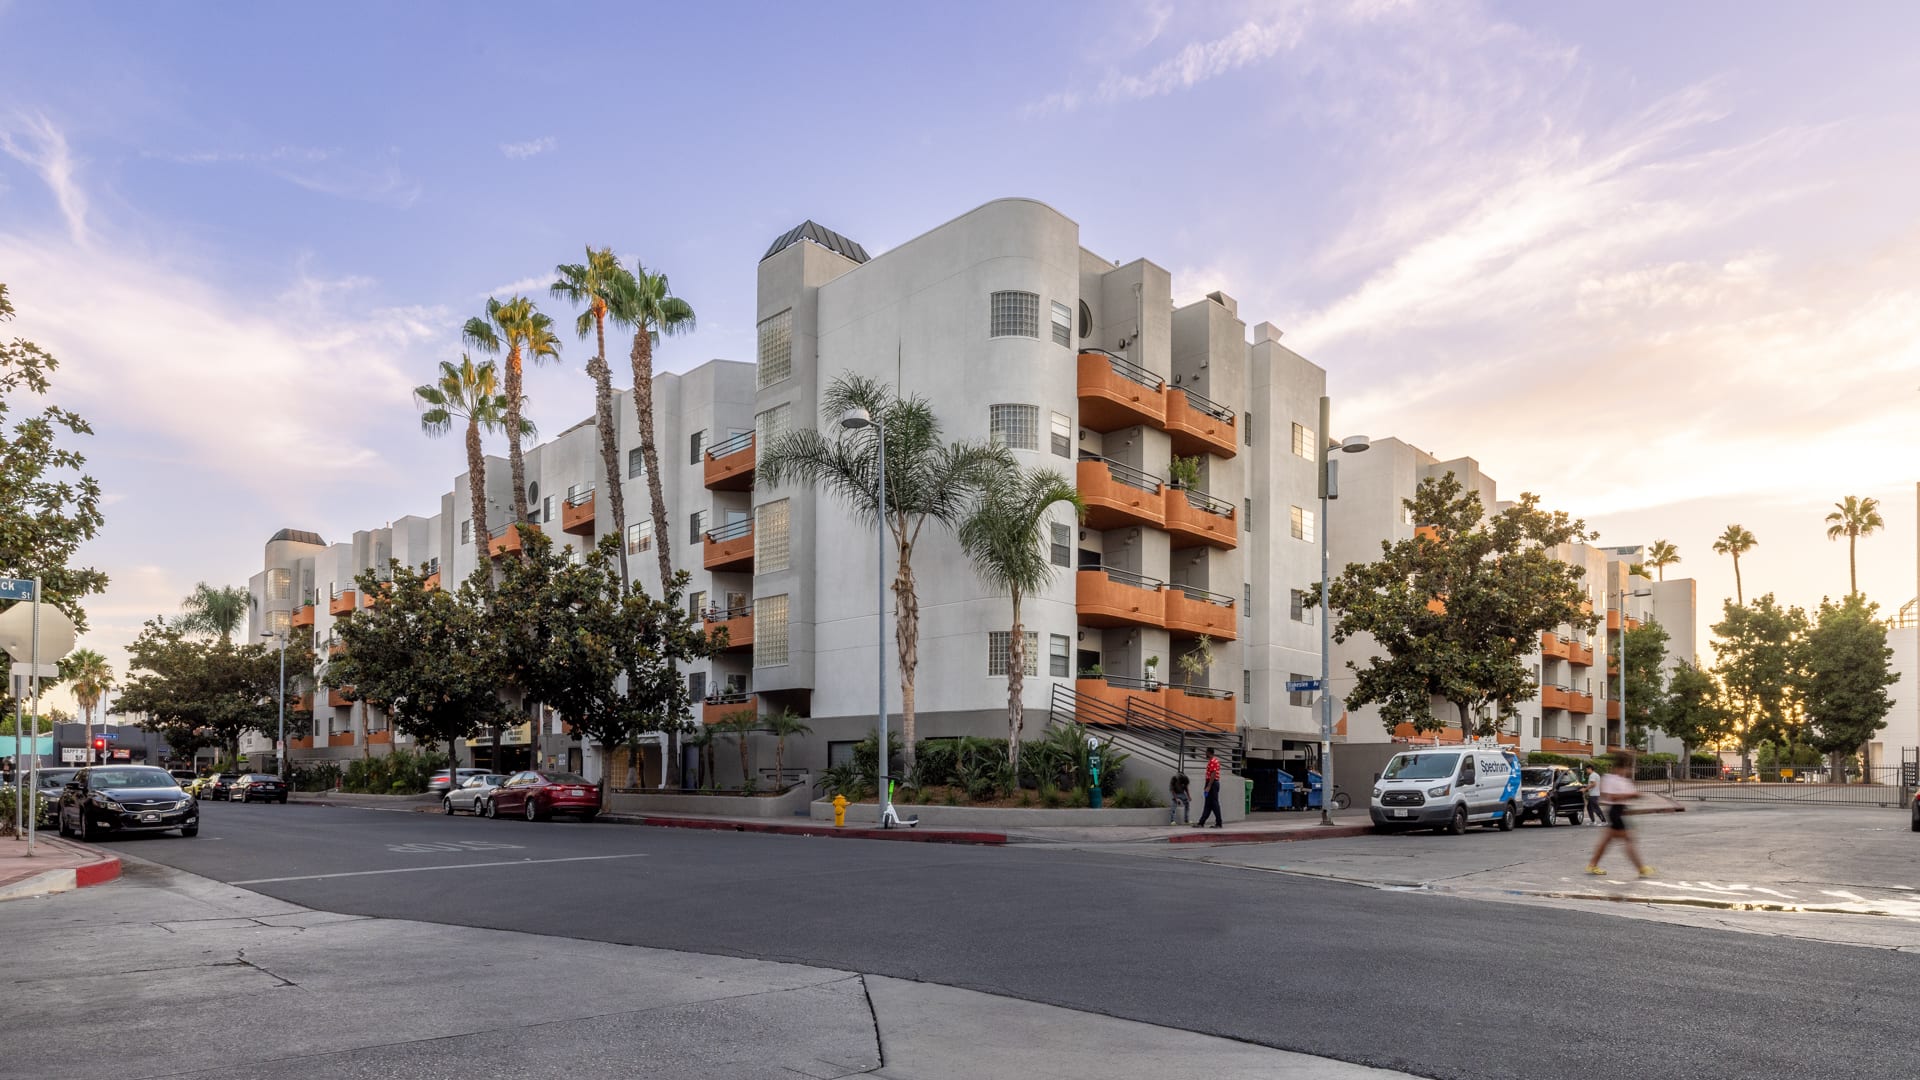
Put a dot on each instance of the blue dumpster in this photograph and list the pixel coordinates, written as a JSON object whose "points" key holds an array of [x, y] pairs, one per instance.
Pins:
{"points": [[1283, 798], [1314, 787]]}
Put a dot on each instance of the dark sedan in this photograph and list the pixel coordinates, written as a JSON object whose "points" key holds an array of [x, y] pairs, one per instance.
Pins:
{"points": [[108, 800], [538, 794], [1551, 792], [219, 784], [261, 787], [52, 782]]}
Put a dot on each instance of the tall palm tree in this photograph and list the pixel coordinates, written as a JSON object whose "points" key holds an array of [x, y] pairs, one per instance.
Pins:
{"points": [[527, 335], [1853, 519], [927, 480], [605, 290], [1006, 537], [1662, 555], [91, 677], [780, 725], [656, 311], [217, 611], [1735, 541], [469, 392]]}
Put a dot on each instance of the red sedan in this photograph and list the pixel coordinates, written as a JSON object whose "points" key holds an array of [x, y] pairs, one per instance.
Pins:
{"points": [[538, 794]]}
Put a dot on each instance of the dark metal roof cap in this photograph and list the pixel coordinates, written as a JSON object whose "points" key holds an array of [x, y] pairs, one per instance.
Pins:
{"points": [[821, 235], [299, 536]]}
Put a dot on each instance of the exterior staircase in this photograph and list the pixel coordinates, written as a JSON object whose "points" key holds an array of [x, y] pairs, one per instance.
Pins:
{"points": [[1150, 731]]}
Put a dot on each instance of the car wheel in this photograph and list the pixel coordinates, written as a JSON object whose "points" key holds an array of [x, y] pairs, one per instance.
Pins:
{"points": [[1341, 801], [1578, 817], [485, 808], [1548, 818], [85, 828], [532, 810], [283, 800], [446, 804], [1458, 826], [1507, 819], [190, 831], [64, 831]]}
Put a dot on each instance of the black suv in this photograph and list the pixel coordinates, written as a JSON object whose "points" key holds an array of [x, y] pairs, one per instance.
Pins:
{"points": [[1551, 792]]}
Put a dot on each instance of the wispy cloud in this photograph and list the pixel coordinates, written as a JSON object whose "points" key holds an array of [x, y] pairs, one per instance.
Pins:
{"points": [[535, 286], [34, 141], [530, 148], [324, 170], [1251, 42]]}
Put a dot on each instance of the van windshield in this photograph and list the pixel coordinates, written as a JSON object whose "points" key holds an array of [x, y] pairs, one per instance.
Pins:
{"points": [[1421, 767]]}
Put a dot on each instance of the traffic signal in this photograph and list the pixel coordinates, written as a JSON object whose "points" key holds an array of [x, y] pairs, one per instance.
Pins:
{"points": [[99, 750]]}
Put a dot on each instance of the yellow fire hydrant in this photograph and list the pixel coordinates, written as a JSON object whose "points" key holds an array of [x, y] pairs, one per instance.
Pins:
{"points": [[839, 811]]}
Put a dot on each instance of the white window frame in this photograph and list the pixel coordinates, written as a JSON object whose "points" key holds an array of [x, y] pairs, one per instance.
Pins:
{"points": [[1062, 324], [1061, 435], [640, 536], [1059, 656], [1302, 522], [1303, 442], [1014, 313], [1007, 420]]}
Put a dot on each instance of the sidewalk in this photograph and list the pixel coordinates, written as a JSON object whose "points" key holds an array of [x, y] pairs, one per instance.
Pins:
{"points": [[56, 866]]}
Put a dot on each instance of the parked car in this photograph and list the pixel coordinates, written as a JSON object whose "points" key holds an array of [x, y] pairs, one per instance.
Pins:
{"points": [[437, 784], [183, 777], [538, 794], [215, 786], [1551, 792], [108, 800], [52, 783], [467, 797], [264, 787]]}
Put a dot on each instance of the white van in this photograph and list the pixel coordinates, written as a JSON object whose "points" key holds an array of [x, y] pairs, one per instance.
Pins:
{"points": [[1447, 788]]}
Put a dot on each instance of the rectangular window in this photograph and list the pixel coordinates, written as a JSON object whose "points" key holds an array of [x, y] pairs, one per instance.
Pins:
{"points": [[697, 686], [696, 604], [1060, 552], [466, 531], [769, 426], [696, 446], [696, 527], [770, 536], [279, 584], [1246, 427], [1246, 687], [636, 463], [776, 348], [546, 509], [1016, 427], [1059, 656], [1062, 324], [1536, 731], [1063, 435], [1015, 314], [998, 643], [1246, 599], [770, 631], [1303, 443], [1246, 516], [1299, 697], [640, 537], [1297, 606], [280, 622], [1302, 521]]}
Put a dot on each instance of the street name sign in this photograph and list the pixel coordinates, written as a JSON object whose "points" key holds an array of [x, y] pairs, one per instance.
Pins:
{"points": [[1294, 686]]}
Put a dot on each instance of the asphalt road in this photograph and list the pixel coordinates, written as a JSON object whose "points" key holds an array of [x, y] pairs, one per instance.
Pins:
{"points": [[1423, 983]]}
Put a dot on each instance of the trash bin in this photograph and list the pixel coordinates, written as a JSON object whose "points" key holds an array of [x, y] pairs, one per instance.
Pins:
{"points": [[1249, 784]]}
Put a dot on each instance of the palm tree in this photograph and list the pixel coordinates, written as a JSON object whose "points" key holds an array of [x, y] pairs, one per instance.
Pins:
{"points": [[527, 335], [1006, 537], [92, 677], [927, 479], [217, 611], [606, 290], [656, 311], [1662, 555], [740, 723], [1853, 519], [1736, 541], [468, 392], [782, 724]]}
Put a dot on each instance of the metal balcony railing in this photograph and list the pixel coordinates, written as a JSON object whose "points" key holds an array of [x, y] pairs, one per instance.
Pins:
{"points": [[728, 447], [723, 614], [1128, 577], [1207, 405], [1200, 500], [1125, 474], [1126, 369], [734, 531], [1194, 592], [579, 494]]}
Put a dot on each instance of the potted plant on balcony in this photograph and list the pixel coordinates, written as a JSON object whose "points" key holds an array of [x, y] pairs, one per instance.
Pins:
{"points": [[1184, 472], [1153, 671], [1194, 663], [1092, 672]]}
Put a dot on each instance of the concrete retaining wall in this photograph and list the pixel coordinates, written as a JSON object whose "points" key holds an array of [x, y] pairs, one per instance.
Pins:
{"points": [[996, 818], [792, 803]]}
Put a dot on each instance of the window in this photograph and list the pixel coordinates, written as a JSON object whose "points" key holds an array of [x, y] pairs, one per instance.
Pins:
{"points": [[1015, 314], [697, 685], [770, 536], [696, 526], [1059, 656], [1303, 443], [1302, 520], [770, 631], [1536, 728], [636, 463], [546, 510], [1063, 435], [1086, 320], [1061, 551], [1299, 697], [640, 537], [696, 445], [1246, 427], [1246, 516], [1062, 324], [280, 622], [279, 584], [696, 604], [776, 348], [998, 644], [1297, 607], [466, 531], [1246, 599], [1246, 686], [1016, 427], [769, 426]]}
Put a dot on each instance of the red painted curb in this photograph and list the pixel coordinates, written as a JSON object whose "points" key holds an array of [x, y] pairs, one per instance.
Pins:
{"points": [[98, 872], [914, 835], [1334, 832]]}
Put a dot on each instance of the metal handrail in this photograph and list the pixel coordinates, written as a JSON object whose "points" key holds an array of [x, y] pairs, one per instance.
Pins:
{"points": [[579, 495], [502, 530], [334, 591], [732, 697], [1200, 500], [1194, 592], [1128, 577], [1207, 405], [730, 446], [433, 566], [722, 614], [1202, 691], [1128, 682], [1125, 474], [738, 529], [1129, 370]]}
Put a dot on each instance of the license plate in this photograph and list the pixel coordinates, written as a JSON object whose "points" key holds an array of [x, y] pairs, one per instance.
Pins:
{"points": [[580, 791], [149, 817], [1399, 813]]}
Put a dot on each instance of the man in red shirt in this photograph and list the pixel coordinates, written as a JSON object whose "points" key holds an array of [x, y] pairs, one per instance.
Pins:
{"points": [[1211, 789]]}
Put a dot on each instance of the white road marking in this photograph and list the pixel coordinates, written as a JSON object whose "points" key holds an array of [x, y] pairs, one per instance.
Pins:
{"points": [[418, 869], [451, 845]]}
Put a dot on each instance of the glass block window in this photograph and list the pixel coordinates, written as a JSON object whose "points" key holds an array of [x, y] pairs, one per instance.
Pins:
{"points": [[1303, 443], [640, 537], [998, 643], [1300, 697], [636, 463], [1246, 687], [466, 531], [769, 426], [1246, 428], [279, 584], [1060, 552], [1063, 435], [1062, 324], [1016, 314], [1298, 608], [776, 348], [1059, 655], [280, 622], [770, 631], [771, 523], [1016, 427], [1302, 522], [696, 446]]}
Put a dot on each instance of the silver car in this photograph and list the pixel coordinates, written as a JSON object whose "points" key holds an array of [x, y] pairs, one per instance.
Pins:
{"points": [[467, 796]]}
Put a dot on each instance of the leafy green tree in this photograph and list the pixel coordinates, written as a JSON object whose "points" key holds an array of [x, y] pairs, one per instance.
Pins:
{"points": [[220, 611], [1847, 674], [655, 312], [1735, 541], [50, 506], [1457, 610], [1007, 538], [783, 725], [1644, 648], [1759, 650], [1854, 518], [200, 692], [468, 392], [927, 479], [1662, 555], [605, 292], [1691, 710], [527, 335]]}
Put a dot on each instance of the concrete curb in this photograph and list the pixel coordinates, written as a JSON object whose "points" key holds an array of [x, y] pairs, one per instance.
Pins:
{"points": [[99, 871], [925, 836], [1331, 832]]}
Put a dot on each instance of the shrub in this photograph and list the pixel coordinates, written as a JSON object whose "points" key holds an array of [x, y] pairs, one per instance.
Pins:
{"points": [[321, 776], [842, 779], [1050, 796], [1060, 759], [1138, 795], [402, 772]]}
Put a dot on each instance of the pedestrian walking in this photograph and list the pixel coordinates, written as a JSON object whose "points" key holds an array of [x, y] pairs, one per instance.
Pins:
{"points": [[1210, 790], [1617, 789], [1181, 807], [1594, 816]]}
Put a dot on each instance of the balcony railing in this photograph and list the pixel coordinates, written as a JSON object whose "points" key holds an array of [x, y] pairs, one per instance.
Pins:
{"points": [[579, 494], [1125, 474], [1195, 517], [729, 547], [737, 444], [1107, 596], [1207, 405], [1193, 610], [577, 514], [728, 464], [732, 531], [1129, 370]]}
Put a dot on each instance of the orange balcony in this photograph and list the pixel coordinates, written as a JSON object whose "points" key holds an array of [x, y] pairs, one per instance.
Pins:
{"points": [[719, 707], [303, 616], [1116, 394], [505, 540], [1613, 709], [1200, 426], [729, 547], [737, 622], [1197, 611], [1108, 597], [300, 742], [1206, 708], [1553, 646], [1578, 702], [1437, 605], [1446, 736], [1566, 746], [339, 602], [300, 702], [729, 464], [383, 737], [1554, 697], [1579, 655], [341, 738], [338, 699], [1118, 495], [1195, 517], [335, 646], [576, 514], [432, 581]]}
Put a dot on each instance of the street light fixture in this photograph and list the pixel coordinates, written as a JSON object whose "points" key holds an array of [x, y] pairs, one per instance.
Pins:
{"points": [[1328, 474], [280, 746], [855, 419]]}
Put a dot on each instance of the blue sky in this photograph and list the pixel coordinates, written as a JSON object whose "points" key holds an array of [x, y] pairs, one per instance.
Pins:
{"points": [[1658, 265]]}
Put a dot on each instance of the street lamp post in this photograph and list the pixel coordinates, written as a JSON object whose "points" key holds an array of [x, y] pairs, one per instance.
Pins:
{"points": [[1623, 657], [280, 746], [855, 419], [1328, 478]]}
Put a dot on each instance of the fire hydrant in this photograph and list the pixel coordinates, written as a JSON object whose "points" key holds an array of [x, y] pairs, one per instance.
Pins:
{"points": [[839, 811]]}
